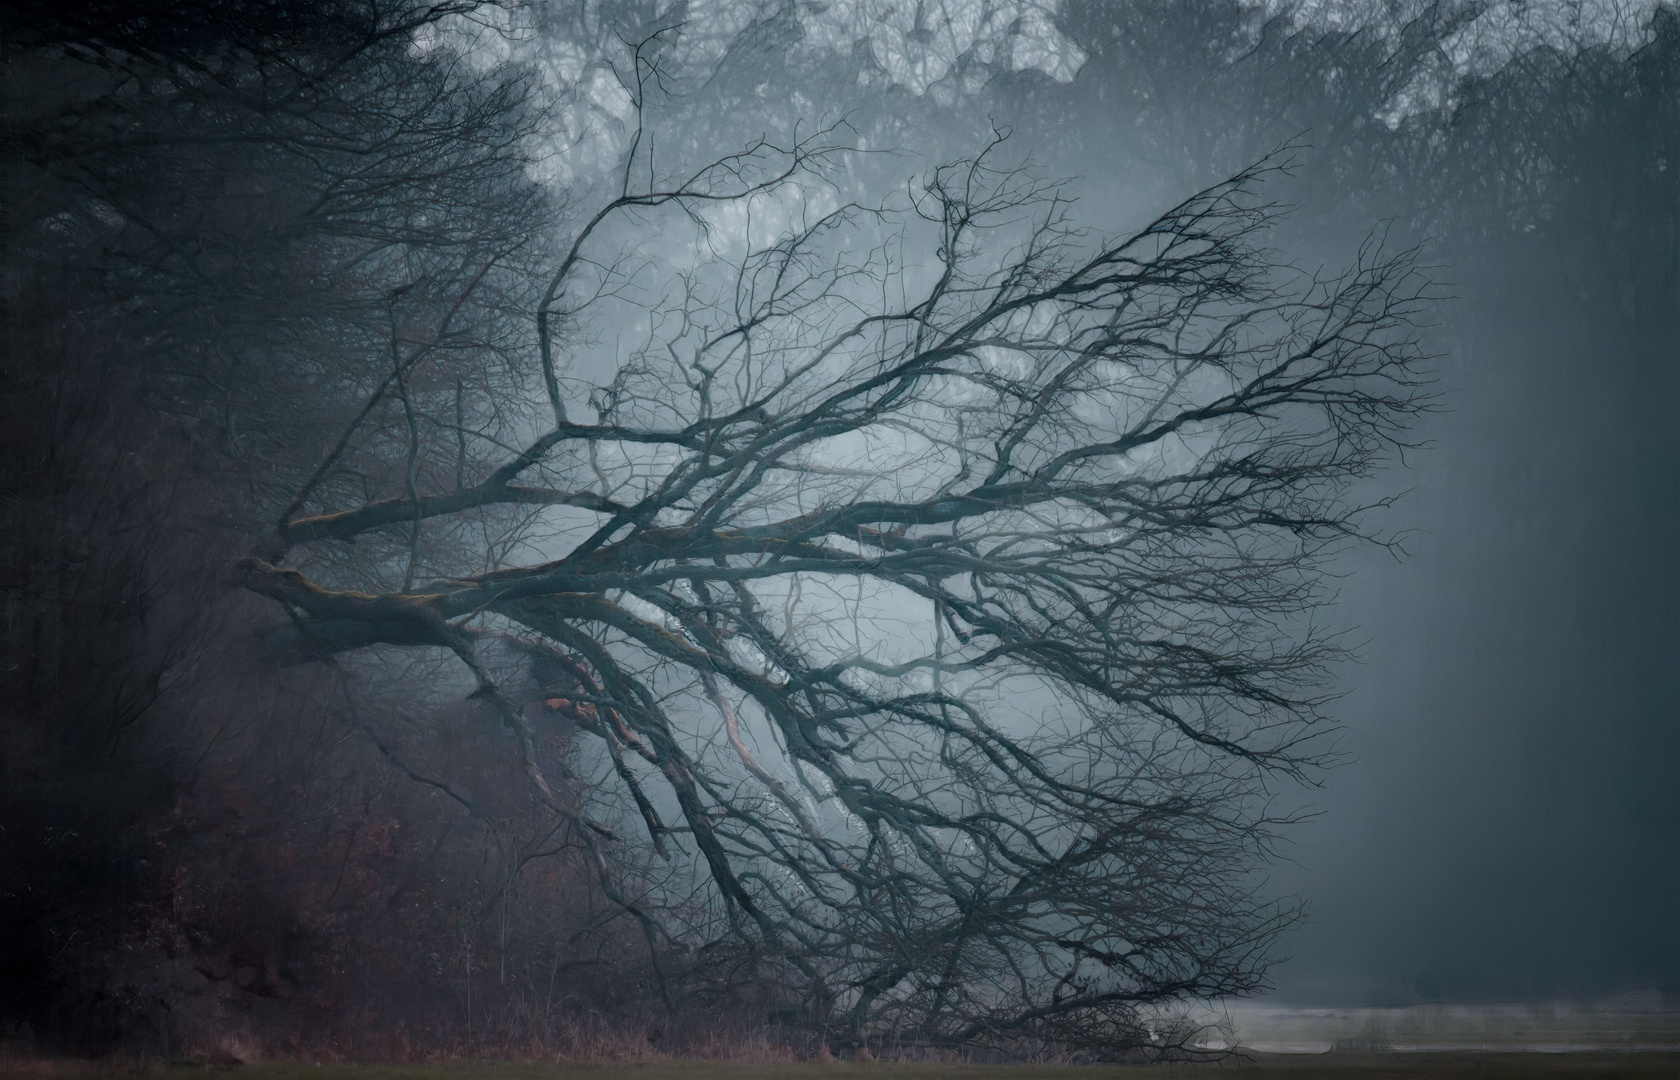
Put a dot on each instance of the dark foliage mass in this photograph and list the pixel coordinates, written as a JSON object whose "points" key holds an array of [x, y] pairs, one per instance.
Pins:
{"points": [[891, 645]]}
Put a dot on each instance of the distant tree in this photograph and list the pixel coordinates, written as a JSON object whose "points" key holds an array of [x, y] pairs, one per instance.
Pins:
{"points": [[935, 578]]}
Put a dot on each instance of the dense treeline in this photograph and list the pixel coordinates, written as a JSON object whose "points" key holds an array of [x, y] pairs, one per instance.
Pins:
{"points": [[224, 226], [216, 227]]}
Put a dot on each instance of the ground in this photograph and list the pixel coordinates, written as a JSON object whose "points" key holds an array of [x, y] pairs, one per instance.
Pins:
{"points": [[1400, 1066]]}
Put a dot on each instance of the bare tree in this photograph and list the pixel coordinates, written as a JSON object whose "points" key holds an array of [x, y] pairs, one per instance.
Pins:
{"points": [[935, 578]]}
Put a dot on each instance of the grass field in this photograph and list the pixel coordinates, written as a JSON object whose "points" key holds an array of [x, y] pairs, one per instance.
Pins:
{"points": [[1409, 1066]]}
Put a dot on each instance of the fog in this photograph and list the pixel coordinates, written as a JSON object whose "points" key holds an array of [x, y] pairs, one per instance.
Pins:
{"points": [[1507, 824], [250, 324], [1508, 827]]}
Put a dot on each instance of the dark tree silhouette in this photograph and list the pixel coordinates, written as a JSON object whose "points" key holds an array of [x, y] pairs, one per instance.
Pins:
{"points": [[213, 215], [935, 578]]}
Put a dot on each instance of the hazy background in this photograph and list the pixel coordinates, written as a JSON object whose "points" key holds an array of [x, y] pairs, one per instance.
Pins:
{"points": [[1507, 823]]}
